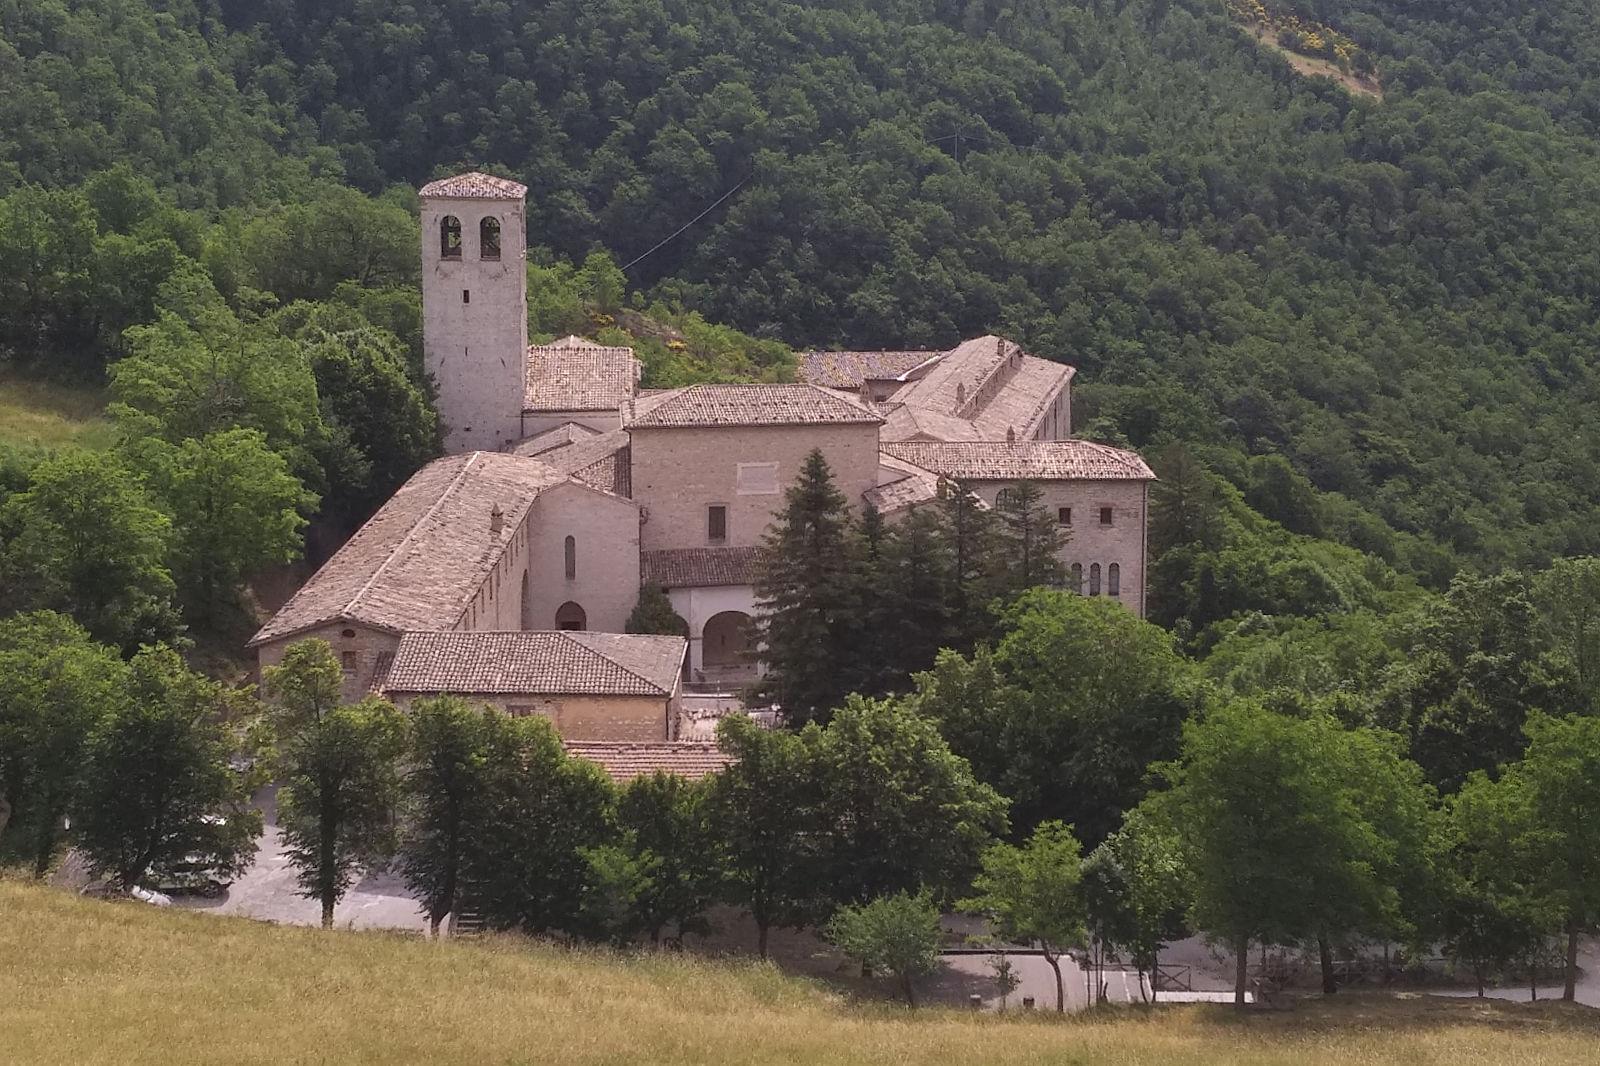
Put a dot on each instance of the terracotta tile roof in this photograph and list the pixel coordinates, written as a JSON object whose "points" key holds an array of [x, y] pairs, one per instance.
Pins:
{"points": [[990, 382], [919, 423], [418, 562], [685, 568], [601, 460], [624, 761], [1059, 460], [1023, 401], [562, 435], [612, 473], [953, 384], [573, 374], [746, 405], [475, 185], [849, 370], [554, 663], [910, 485]]}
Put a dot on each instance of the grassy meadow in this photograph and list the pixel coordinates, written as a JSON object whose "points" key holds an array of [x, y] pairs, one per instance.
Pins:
{"points": [[41, 414], [92, 982]]}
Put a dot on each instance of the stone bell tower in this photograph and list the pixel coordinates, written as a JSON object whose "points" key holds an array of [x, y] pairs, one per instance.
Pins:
{"points": [[475, 307]]}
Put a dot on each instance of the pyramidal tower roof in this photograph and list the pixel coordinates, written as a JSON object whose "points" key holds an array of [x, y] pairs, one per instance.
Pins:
{"points": [[475, 185]]}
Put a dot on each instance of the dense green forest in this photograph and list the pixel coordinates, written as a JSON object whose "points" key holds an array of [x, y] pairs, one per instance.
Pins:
{"points": [[1373, 321]]}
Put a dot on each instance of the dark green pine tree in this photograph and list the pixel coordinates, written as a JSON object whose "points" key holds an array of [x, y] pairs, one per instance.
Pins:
{"points": [[654, 614], [1030, 540], [970, 529], [872, 537], [913, 584], [810, 589]]}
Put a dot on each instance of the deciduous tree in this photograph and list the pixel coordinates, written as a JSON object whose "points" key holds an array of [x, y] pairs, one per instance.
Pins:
{"points": [[765, 812], [897, 934], [56, 689], [162, 791], [1031, 894], [86, 539], [339, 773]]}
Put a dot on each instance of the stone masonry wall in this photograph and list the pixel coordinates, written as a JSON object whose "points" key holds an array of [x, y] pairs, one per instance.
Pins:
{"points": [[679, 473], [618, 718], [475, 323], [357, 653], [1122, 542], [605, 533]]}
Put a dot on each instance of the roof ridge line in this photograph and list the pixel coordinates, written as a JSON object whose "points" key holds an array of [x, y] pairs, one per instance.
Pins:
{"points": [[592, 651], [377, 572]]}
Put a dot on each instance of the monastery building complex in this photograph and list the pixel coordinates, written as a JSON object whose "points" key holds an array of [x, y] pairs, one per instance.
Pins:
{"points": [[504, 571]]}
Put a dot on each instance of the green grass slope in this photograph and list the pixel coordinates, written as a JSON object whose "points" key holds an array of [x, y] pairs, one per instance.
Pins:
{"points": [[39, 414], [103, 983]]}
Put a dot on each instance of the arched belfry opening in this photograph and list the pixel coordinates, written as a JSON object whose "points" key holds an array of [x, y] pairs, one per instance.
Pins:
{"points": [[489, 238], [450, 237]]}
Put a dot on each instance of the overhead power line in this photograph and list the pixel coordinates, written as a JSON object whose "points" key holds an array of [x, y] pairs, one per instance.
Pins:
{"points": [[659, 244]]}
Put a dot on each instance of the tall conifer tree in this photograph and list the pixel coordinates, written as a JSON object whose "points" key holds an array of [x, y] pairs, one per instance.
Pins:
{"points": [[974, 551], [1030, 539], [809, 588]]}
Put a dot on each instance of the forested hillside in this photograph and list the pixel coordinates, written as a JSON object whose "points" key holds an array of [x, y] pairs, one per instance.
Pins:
{"points": [[1399, 297]]}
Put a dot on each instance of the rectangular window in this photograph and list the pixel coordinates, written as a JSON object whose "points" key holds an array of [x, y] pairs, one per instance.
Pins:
{"points": [[756, 479], [347, 661], [1064, 516], [717, 522], [1105, 516], [466, 296]]}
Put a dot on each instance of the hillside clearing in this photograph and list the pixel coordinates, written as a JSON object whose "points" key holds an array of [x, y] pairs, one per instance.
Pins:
{"points": [[39, 414], [1314, 67], [118, 983]]}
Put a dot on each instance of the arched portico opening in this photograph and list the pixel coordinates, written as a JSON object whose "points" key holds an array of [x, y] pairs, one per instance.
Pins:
{"points": [[727, 644], [571, 616]]}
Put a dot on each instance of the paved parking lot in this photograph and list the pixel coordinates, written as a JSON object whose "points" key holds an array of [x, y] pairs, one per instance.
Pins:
{"points": [[268, 891]]}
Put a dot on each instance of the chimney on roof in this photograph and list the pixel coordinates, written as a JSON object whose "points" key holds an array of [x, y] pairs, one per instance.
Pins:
{"points": [[1011, 434], [866, 393], [497, 520]]}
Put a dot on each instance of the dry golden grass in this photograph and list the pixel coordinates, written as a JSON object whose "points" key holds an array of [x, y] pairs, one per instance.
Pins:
{"points": [[87, 982], [51, 416]]}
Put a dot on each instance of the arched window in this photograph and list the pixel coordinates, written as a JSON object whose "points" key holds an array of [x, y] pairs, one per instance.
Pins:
{"points": [[450, 237], [571, 616], [1094, 579], [1002, 499], [489, 238], [1113, 580], [571, 549], [1077, 578]]}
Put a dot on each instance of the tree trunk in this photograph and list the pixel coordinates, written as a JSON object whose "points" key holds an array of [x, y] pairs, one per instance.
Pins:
{"points": [[1061, 989], [5, 814], [1477, 973], [1155, 969], [761, 937], [328, 853], [911, 993], [1241, 971], [434, 921], [1569, 990], [1330, 983], [45, 852]]}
